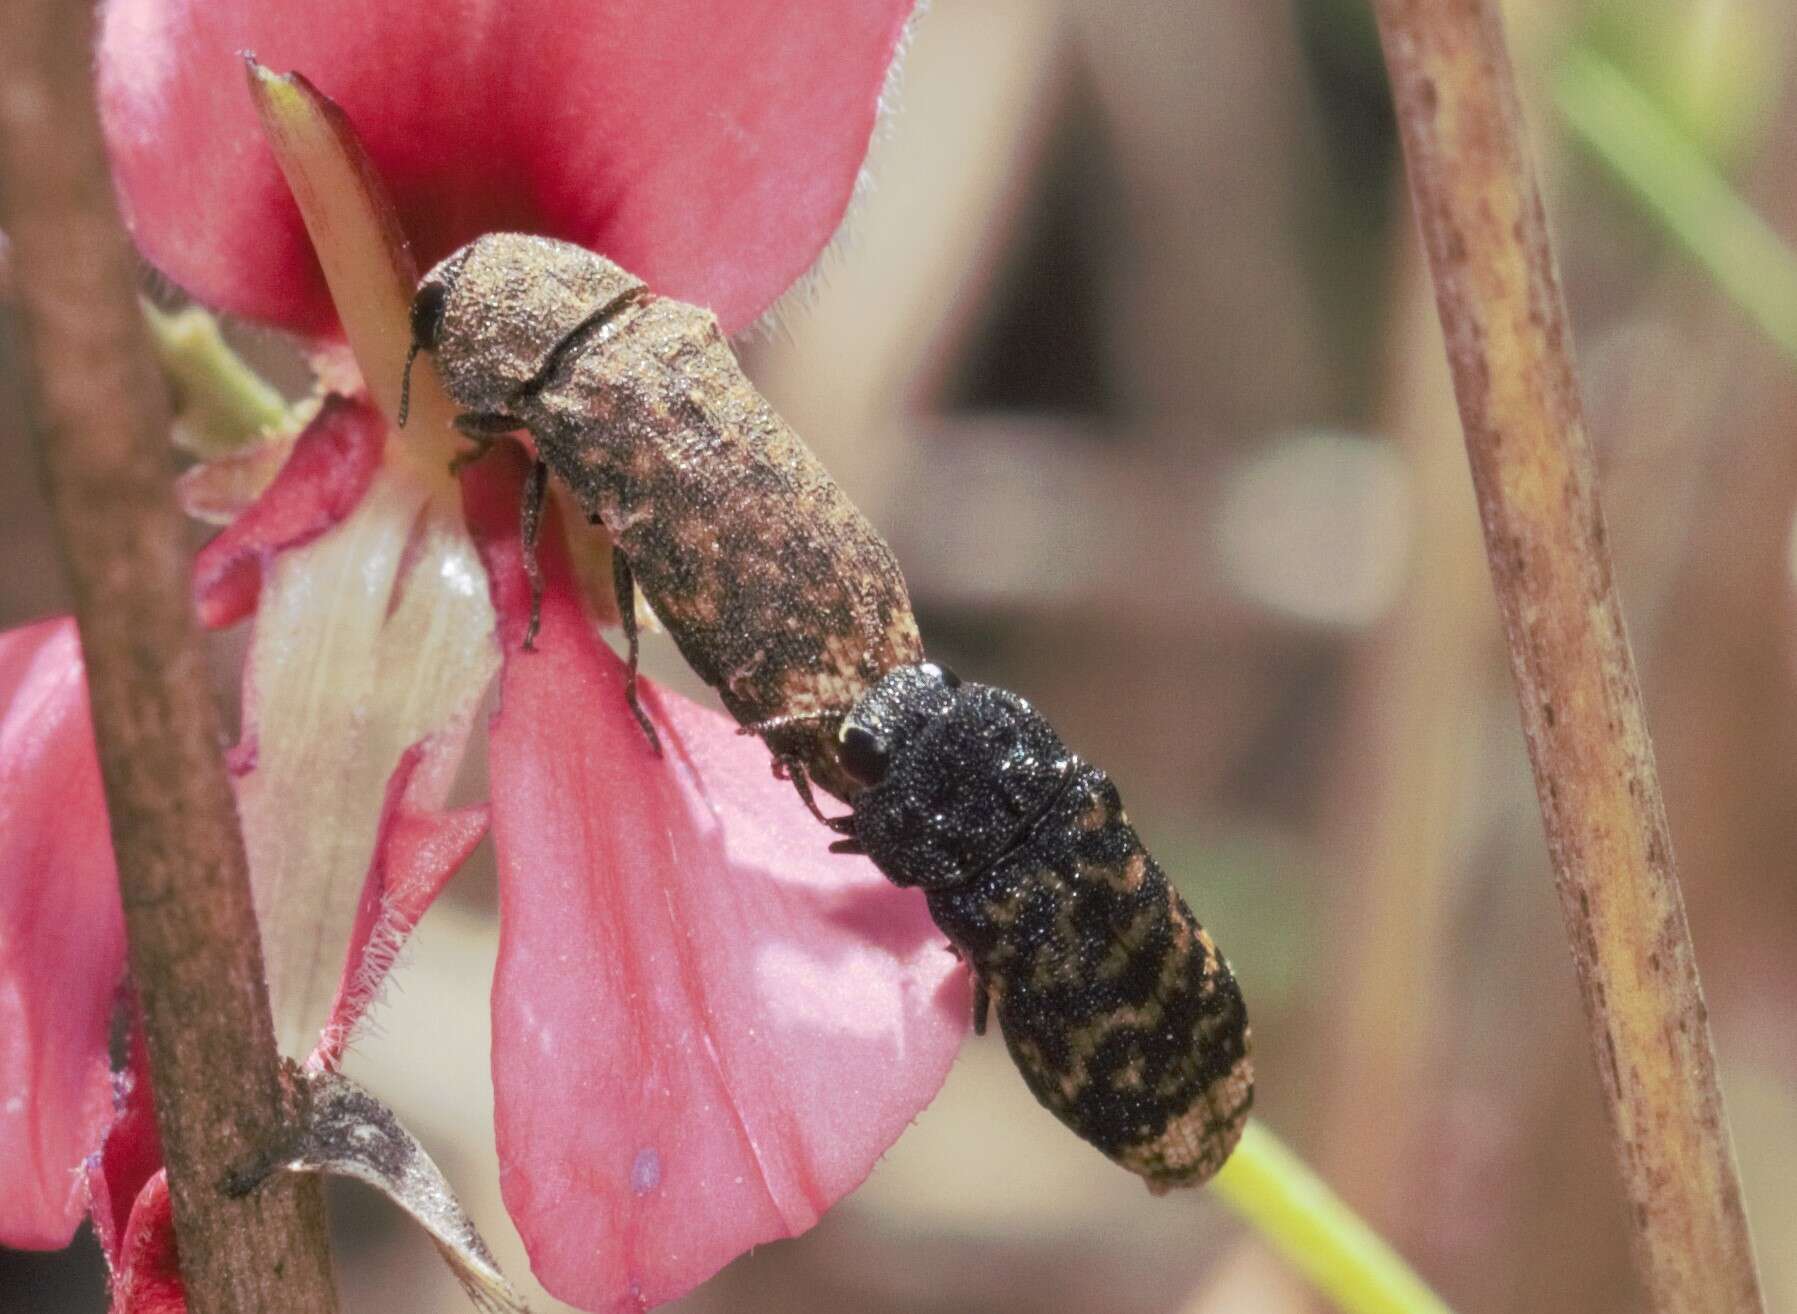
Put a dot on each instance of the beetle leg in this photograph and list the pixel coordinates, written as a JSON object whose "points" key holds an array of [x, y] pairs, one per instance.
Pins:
{"points": [[624, 585], [482, 428], [486, 424], [982, 1004], [482, 444], [530, 519], [774, 723], [788, 766]]}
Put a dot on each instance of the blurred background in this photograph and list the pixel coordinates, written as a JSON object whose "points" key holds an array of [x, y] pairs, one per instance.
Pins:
{"points": [[1130, 351]]}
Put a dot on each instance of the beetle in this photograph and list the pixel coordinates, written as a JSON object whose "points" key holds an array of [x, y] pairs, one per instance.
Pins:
{"points": [[1122, 1016], [775, 588]]}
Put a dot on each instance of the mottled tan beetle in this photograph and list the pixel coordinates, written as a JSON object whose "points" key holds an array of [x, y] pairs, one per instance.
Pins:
{"points": [[775, 588]]}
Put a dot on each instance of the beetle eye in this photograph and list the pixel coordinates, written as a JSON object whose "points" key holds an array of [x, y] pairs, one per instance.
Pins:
{"points": [[865, 755], [427, 315], [949, 679]]}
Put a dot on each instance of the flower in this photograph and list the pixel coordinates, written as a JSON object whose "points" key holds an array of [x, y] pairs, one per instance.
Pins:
{"points": [[713, 154], [706, 1028], [785, 1007], [62, 936]]}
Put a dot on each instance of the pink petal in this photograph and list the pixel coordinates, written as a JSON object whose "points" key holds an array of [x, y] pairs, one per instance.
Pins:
{"points": [[62, 936], [416, 851], [710, 148], [706, 1027], [222, 488], [372, 638], [332, 464], [147, 1276], [130, 1155]]}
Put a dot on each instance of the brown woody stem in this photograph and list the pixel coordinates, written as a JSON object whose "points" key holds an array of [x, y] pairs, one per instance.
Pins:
{"points": [[1511, 356], [101, 421]]}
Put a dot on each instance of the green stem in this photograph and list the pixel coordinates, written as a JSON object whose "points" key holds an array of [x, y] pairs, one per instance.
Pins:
{"points": [[1307, 1223], [220, 402], [1672, 177]]}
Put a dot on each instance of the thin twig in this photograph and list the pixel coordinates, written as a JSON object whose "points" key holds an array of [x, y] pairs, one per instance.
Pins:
{"points": [[1510, 353], [102, 424]]}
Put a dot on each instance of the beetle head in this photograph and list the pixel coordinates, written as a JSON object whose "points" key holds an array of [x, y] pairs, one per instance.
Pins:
{"points": [[493, 311], [951, 774]]}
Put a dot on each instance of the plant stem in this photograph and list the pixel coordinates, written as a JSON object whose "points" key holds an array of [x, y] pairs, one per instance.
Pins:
{"points": [[101, 421], [1307, 1223], [223, 404], [1509, 349]]}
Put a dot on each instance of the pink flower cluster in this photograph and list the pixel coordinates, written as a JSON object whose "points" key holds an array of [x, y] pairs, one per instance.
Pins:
{"points": [[706, 1028]]}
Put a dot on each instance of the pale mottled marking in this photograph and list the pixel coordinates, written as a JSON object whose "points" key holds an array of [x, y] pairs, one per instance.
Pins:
{"points": [[1095, 815]]}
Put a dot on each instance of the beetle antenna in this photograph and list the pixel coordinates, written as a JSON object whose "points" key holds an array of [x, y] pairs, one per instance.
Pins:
{"points": [[405, 388]]}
